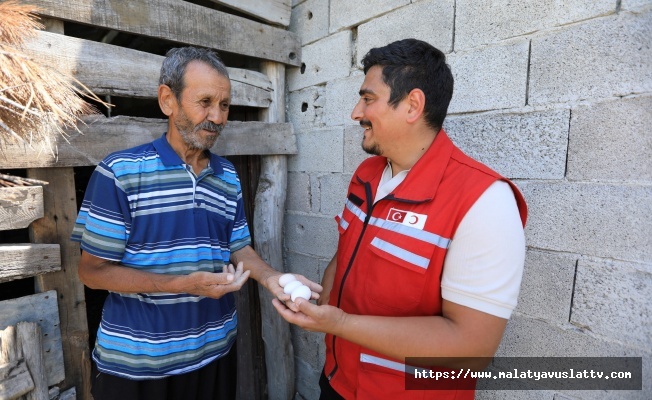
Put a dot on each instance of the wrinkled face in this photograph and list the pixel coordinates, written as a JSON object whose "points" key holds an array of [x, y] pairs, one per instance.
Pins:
{"points": [[204, 106], [375, 114]]}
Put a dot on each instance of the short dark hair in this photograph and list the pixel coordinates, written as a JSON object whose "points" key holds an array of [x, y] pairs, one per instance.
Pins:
{"points": [[177, 59], [414, 64]]}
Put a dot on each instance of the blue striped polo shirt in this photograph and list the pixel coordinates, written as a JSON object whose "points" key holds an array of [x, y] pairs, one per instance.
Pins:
{"points": [[146, 209]]}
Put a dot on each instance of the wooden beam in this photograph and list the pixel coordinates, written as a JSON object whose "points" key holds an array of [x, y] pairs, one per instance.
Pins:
{"points": [[273, 11], [182, 22], [268, 233], [30, 339], [60, 205], [20, 205], [102, 136], [25, 260], [41, 308], [113, 70]]}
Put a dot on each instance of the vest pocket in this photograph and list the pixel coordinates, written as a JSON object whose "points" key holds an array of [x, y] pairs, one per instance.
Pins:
{"points": [[397, 271]]}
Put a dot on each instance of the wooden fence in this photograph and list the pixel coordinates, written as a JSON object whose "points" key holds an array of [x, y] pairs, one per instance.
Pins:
{"points": [[232, 28]]}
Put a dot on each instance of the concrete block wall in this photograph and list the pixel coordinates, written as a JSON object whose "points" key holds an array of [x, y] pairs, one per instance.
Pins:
{"points": [[555, 95]]}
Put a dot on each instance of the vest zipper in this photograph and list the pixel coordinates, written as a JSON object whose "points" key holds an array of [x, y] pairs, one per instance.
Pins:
{"points": [[370, 206]]}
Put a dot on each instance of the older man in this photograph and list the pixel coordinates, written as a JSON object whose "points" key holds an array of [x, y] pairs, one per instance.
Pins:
{"points": [[158, 227]]}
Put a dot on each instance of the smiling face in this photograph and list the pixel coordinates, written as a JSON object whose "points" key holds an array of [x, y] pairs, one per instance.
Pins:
{"points": [[377, 116], [203, 108]]}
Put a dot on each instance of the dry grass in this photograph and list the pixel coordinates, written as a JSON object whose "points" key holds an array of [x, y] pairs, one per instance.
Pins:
{"points": [[37, 102]]}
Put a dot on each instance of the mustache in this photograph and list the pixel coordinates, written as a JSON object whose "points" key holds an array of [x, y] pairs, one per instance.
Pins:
{"points": [[210, 126], [365, 123]]}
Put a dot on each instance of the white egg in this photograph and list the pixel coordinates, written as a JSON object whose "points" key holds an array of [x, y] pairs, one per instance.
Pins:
{"points": [[291, 286], [302, 291], [285, 279]]}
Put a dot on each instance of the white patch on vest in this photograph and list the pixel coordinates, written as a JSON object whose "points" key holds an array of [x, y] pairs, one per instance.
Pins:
{"points": [[407, 218]]}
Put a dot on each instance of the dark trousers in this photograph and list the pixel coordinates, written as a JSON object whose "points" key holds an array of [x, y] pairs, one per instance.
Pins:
{"points": [[215, 381]]}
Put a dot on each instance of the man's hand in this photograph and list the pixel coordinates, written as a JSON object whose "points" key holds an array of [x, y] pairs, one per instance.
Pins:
{"points": [[98, 273], [312, 317], [214, 285], [271, 283], [268, 276]]}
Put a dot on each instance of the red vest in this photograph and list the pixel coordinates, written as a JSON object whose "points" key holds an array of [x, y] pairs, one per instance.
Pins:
{"points": [[407, 235]]}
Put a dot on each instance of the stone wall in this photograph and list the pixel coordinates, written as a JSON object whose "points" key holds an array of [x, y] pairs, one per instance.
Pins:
{"points": [[554, 95]]}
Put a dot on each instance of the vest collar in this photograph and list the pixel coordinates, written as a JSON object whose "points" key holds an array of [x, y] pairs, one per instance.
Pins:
{"points": [[423, 180]]}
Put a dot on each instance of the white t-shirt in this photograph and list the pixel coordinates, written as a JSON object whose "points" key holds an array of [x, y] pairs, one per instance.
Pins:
{"points": [[484, 263]]}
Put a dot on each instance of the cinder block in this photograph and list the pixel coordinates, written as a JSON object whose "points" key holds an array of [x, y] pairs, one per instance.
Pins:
{"points": [[599, 58], [547, 286], [611, 141], [341, 96], [529, 145], [353, 153], [318, 150], [612, 299], [479, 22], [347, 13], [308, 344], [613, 221], [305, 108], [309, 266], [430, 21], [310, 20], [306, 379], [634, 4], [311, 234], [333, 189], [528, 337], [322, 61], [491, 78], [298, 197], [315, 190]]}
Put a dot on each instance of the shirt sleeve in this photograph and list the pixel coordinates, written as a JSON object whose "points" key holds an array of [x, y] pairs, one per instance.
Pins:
{"points": [[484, 264], [240, 236], [102, 226]]}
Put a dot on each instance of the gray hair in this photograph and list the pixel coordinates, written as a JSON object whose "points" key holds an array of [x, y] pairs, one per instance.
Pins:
{"points": [[177, 59]]}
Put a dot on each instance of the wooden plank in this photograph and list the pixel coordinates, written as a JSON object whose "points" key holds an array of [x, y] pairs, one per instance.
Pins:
{"points": [[102, 136], [30, 340], [119, 71], [60, 205], [268, 228], [182, 22], [20, 205], [25, 260], [9, 349], [40, 308], [15, 380], [273, 11]]}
